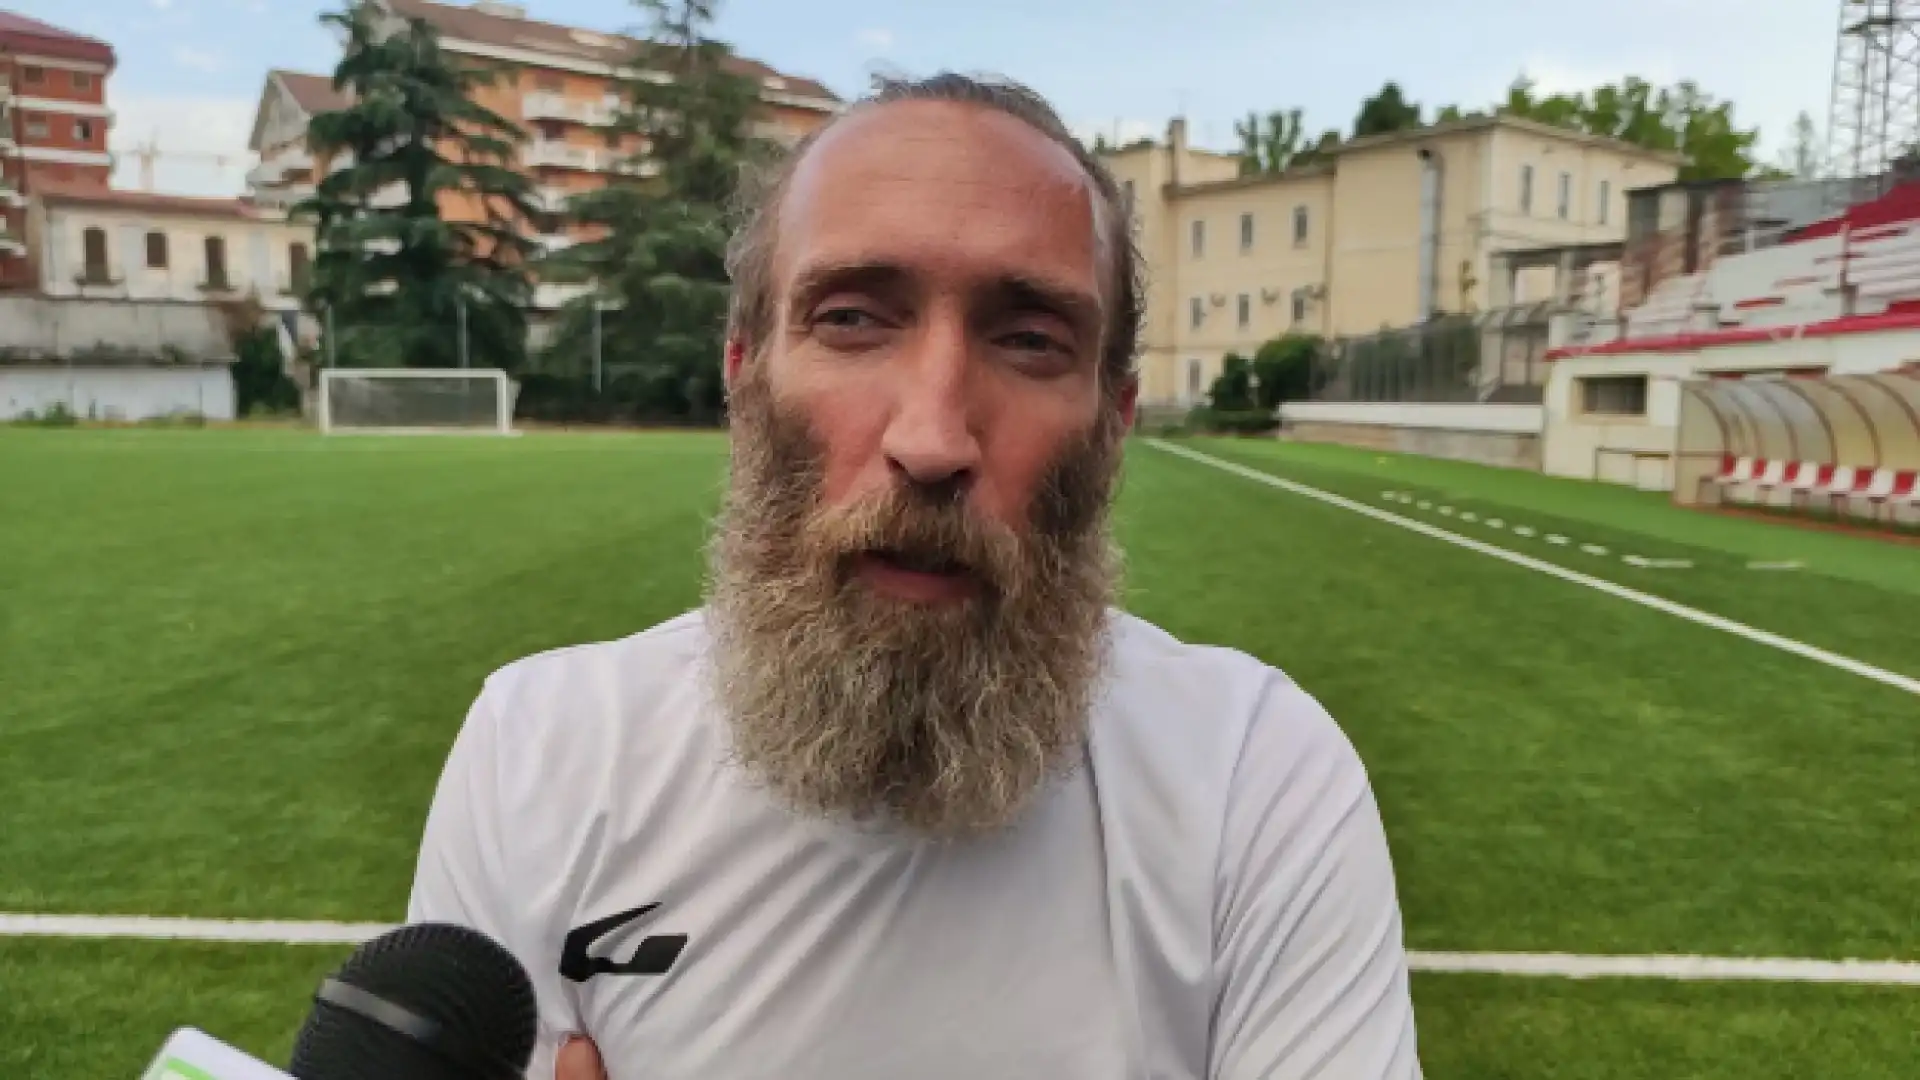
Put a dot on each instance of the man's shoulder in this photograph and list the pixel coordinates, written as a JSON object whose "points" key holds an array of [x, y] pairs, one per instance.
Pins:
{"points": [[1213, 705], [610, 680]]}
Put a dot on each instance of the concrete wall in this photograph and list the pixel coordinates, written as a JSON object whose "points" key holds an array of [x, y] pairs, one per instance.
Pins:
{"points": [[60, 328], [1502, 435], [117, 393]]}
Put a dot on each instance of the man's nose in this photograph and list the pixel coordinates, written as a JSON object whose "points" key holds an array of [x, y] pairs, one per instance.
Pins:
{"points": [[931, 437]]}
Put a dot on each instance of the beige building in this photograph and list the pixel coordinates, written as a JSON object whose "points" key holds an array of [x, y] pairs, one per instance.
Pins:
{"points": [[103, 244], [1382, 232]]}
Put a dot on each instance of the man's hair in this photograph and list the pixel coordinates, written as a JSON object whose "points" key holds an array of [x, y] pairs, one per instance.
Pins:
{"points": [[751, 314]]}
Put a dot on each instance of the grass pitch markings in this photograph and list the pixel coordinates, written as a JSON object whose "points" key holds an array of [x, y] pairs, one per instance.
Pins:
{"points": [[1614, 589], [1561, 965]]}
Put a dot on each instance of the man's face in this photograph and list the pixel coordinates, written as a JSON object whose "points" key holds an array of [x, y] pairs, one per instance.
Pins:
{"points": [[912, 572]]}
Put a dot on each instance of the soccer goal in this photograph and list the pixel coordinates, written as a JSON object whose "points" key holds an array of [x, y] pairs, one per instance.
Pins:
{"points": [[416, 401]]}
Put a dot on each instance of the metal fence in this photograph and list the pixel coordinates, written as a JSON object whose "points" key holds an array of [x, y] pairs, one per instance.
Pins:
{"points": [[1489, 357]]}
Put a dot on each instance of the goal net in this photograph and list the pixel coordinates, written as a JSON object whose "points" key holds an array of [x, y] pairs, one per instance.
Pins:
{"points": [[416, 401]]}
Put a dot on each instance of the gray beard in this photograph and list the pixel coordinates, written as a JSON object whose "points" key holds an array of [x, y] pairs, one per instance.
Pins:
{"points": [[849, 705]]}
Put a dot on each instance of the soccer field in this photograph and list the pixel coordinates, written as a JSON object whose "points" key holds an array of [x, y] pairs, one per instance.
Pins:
{"points": [[231, 663]]}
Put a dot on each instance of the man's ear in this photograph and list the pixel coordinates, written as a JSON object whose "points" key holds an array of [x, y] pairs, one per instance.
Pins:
{"points": [[1128, 401], [734, 358]]}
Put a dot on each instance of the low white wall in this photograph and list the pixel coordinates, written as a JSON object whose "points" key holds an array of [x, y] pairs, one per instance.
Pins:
{"points": [[117, 393], [1503, 435], [1450, 416]]}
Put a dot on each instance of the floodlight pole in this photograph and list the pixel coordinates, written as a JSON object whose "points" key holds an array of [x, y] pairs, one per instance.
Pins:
{"points": [[460, 310], [597, 340]]}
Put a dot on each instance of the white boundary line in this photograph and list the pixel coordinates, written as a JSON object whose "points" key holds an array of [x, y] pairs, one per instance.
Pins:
{"points": [[1681, 611], [1561, 965], [152, 928]]}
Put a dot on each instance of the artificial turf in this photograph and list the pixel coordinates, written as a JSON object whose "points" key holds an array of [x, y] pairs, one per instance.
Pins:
{"points": [[231, 662]]}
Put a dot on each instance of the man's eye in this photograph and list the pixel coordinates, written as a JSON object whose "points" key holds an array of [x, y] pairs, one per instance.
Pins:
{"points": [[845, 318], [1032, 341]]}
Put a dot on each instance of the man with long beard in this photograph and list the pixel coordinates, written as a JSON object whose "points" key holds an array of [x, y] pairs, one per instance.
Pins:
{"points": [[907, 796]]}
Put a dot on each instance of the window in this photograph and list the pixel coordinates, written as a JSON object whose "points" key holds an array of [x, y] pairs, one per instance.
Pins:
{"points": [[1614, 395], [1199, 238], [1299, 226], [299, 265], [1246, 232], [83, 131], [1198, 312], [551, 130], [37, 127], [81, 80], [1526, 189], [1246, 311], [33, 76], [1195, 373], [1606, 197], [1564, 198], [1299, 307], [216, 263], [93, 244], [156, 250], [1126, 196]]}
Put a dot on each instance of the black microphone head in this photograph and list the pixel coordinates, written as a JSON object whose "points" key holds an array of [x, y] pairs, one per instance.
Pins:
{"points": [[431, 1001]]}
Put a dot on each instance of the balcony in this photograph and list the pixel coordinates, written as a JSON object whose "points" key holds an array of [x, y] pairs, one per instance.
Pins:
{"points": [[10, 193], [550, 199], [553, 154], [11, 244], [276, 169], [550, 106]]}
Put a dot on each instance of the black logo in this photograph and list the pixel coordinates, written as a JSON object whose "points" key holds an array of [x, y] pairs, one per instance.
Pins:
{"points": [[653, 956]]}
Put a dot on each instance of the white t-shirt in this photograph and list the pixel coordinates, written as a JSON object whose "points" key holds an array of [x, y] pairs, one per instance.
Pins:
{"points": [[1208, 897]]}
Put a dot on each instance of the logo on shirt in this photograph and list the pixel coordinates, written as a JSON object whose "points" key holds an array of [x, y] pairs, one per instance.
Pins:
{"points": [[653, 956]]}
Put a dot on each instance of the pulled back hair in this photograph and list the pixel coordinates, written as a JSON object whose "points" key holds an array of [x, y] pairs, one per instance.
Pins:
{"points": [[751, 312]]}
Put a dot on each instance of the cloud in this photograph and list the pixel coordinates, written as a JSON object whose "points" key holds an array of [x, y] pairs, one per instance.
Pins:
{"points": [[201, 142], [877, 38], [196, 59]]}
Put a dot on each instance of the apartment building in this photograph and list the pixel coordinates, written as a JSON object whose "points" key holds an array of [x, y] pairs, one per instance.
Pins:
{"points": [[102, 244], [1382, 232], [561, 84], [53, 124]]}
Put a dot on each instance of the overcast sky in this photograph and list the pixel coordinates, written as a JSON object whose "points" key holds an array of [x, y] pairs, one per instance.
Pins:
{"points": [[191, 70]]}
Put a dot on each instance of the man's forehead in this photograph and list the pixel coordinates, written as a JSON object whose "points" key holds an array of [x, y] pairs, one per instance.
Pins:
{"points": [[965, 166]]}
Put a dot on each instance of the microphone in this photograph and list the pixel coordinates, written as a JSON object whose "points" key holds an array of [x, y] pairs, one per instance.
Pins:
{"points": [[432, 1001]]}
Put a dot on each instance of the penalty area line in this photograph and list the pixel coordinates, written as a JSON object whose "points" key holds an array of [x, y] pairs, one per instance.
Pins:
{"points": [[1614, 589], [1558, 965]]}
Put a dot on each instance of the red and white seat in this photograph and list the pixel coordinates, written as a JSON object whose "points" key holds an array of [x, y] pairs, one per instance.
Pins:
{"points": [[1889, 488]]}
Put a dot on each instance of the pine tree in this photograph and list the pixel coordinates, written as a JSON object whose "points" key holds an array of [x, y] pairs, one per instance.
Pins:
{"points": [[399, 282], [657, 254]]}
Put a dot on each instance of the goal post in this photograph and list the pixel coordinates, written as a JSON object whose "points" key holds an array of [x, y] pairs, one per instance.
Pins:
{"points": [[415, 401]]}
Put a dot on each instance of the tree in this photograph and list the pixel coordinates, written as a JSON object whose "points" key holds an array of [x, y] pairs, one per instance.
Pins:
{"points": [[1270, 143], [1679, 119], [1289, 369], [394, 276], [1801, 159], [657, 256], [1386, 111]]}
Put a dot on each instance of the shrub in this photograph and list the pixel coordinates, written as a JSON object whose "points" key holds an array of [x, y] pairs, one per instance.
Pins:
{"points": [[1233, 421]]}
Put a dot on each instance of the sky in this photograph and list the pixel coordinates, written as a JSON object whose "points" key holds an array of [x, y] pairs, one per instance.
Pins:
{"points": [[191, 71]]}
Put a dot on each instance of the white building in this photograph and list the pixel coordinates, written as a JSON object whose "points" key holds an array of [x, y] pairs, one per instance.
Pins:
{"points": [[106, 244]]}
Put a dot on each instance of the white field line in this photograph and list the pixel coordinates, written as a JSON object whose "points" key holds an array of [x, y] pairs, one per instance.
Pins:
{"points": [[1562, 965], [1681, 611], [153, 928]]}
